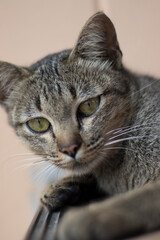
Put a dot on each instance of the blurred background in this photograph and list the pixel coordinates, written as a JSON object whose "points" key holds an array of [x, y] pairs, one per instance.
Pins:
{"points": [[32, 29]]}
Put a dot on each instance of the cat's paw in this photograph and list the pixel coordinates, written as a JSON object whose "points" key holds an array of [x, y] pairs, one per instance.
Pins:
{"points": [[88, 224], [76, 224], [59, 195]]}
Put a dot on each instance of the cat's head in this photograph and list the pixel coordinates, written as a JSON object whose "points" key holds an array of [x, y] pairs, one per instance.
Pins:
{"points": [[66, 105]]}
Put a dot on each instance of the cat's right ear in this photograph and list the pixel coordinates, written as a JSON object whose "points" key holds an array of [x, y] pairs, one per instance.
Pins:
{"points": [[98, 41], [10, 76]]}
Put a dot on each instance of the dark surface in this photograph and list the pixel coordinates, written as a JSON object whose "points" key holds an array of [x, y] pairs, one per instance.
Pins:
{"points": [[43, 225]]}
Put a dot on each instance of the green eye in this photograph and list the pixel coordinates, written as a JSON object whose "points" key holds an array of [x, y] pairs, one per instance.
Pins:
{"points": [[88, 107], [38, 125]]}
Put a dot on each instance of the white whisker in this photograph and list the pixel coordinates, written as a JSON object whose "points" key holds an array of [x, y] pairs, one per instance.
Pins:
{"points": [[141, 89], [117, 130], [41, 172], [26, 154], [126, 132], [124, 148], [51, 171], [28, 159], [125, 128], [123, 139], [27, 165]]}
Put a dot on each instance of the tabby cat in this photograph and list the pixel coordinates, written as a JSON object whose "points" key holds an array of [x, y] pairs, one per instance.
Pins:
{"points": [[85, 112]]}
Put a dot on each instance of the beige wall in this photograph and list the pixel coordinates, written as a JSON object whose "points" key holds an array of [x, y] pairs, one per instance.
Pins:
{"points": [[31, 29]]}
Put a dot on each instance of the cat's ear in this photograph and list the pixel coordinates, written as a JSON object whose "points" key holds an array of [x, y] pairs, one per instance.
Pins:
{"points": [[98, 40], [10, 76]]}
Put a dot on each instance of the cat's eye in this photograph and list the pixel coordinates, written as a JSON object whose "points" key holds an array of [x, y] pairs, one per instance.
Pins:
{"points": [[39, 125], [88, 107]]}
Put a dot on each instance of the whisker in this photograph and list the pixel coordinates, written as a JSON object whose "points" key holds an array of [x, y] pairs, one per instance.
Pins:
{"points": [[27, 165], [141, 89], [51, 171], [123, 139], [47, 172], [26, 154], [125, 129], [28, 159], [124, 148], [119, 129], [126, 132], [40, 173]]}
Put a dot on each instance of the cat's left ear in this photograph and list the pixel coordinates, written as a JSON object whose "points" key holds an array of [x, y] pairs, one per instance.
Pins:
{"points": [[10, 77], [98, 40]]}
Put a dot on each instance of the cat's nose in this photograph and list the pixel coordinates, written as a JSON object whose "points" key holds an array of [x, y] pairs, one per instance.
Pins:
{"points": [[70, 150]]}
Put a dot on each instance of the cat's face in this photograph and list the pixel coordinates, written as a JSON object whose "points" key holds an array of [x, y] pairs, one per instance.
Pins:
{"points": [[68, 109], [67, 115]]}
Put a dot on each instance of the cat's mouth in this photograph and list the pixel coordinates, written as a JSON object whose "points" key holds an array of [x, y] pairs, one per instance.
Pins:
{"points": [[78, 166], [83, 162]]}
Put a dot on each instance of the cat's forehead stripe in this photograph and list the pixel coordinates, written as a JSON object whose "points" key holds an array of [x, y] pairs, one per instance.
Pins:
{"points": [[59, 90], [45, 92], [73, 91], [38, 103]]}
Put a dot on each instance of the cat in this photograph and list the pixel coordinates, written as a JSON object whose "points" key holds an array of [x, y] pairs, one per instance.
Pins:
{"points": [[85, 112]]}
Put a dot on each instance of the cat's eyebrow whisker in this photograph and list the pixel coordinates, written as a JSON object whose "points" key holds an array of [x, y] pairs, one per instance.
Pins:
{"points": [[141, 89]]}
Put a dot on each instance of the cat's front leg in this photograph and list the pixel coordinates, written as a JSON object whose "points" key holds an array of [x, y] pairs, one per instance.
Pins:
{"points": [[128, 214], [71, 191]]}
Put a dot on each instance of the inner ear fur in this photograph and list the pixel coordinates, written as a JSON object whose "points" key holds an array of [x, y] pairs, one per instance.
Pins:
{"points": [[10, 75], [98, 40]]}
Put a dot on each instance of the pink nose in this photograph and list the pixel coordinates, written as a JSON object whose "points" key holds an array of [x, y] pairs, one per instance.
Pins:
{"points": [[70, 150]]}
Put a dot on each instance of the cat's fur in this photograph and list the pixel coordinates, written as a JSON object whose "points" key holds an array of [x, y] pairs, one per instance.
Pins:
{"points": [[119, 145]]}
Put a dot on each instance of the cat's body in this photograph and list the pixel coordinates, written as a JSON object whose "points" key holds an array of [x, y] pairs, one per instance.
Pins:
{"points": [[85, 112]]}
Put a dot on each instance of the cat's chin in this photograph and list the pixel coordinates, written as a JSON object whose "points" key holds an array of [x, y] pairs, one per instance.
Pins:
{"points": [[79, 167]]}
